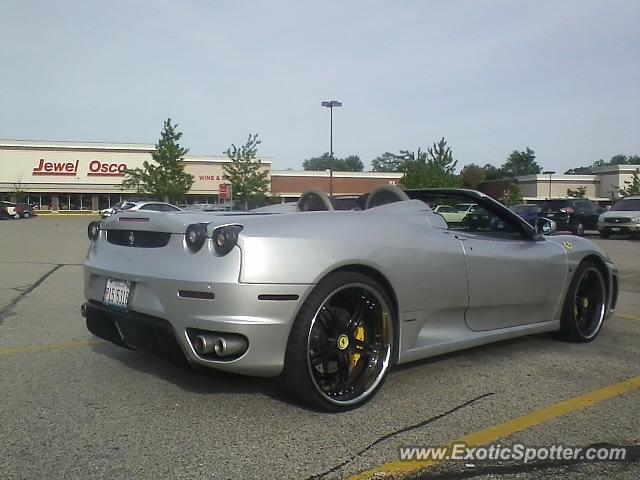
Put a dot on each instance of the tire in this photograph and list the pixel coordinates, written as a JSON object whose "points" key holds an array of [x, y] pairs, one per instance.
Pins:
{"points": [[585, 304], [26, 215], [341, 343], [604, 234], [578, 229]]}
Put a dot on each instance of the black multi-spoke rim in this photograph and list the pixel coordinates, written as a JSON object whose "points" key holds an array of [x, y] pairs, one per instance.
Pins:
{"points": [[589, 303], [349, 344]]}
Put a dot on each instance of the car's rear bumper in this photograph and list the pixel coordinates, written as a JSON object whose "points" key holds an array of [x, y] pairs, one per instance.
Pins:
{"points": [[262, 313]]}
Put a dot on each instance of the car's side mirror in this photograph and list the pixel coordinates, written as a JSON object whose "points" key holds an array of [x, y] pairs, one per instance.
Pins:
{"points": [[545, 226]]}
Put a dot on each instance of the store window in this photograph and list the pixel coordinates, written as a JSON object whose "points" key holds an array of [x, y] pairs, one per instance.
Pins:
{"points": [[85, 202], [103, 202]]}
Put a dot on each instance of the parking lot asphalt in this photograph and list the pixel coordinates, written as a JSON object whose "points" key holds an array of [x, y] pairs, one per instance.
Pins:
{"points": [[74, 407]]}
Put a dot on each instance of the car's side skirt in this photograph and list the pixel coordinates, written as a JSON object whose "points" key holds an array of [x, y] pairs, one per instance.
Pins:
{"points": [[460, 338]]}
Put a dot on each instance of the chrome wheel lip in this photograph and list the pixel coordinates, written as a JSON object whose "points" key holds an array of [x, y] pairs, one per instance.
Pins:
{"points": [[602, 307], [386, 360]]}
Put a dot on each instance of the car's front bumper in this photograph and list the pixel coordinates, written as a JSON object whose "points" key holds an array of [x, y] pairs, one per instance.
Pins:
{"points": [[623, 228], [262, 313]]}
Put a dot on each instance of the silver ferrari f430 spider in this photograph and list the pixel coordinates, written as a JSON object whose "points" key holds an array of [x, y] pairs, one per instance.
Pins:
{"points": [[329, 300]]}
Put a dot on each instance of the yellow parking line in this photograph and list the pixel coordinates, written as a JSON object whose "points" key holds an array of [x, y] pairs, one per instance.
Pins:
{"points": [[11, 351], [518, 424], [70, 215]]}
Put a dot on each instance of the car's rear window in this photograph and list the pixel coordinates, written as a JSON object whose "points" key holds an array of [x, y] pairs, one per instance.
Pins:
{"points": [[631, 205]]}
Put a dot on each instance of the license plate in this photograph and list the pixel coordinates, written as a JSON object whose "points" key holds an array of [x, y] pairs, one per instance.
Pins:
{"points": [[116, 294], [615, 229]]}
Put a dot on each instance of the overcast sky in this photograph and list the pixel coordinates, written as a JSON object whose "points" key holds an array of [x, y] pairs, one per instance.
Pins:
{"points": [[490, 76]]}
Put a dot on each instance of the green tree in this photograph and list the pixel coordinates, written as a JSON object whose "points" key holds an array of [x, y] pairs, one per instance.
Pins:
{"points": [[249, 181], [491, 172], [387, 162], [579, 171], [434, 168], [521, 163], [415, 169], [165, 178], [633, 186], [472, 175], [579, 192], [514, 196], [352, 163]]}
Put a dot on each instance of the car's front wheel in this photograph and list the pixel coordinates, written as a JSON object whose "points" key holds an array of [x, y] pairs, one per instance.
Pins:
{"points": [[26, 215], [585, 304], [341, 343]]}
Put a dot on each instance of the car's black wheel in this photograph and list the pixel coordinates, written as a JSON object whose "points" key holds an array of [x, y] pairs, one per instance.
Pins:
{"points": [[341, 343], [578, 229], [604, 234], [26, 215], [585, 304]]}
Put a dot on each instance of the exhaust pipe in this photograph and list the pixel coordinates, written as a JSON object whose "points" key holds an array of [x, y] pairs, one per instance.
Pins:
{"points": [[204, 344], [221, 345], [230, 345], [83, 310]]}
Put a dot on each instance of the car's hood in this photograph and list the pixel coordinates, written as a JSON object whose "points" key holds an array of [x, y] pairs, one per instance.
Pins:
{"points": [[621, 214]]}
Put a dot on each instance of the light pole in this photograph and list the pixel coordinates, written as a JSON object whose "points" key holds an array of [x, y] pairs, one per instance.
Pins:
{"points": [[550, 173], [330, 104], [614, 193]]}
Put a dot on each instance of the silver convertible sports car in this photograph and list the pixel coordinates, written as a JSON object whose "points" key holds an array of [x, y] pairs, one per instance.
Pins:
{"points": [[328, 300]]}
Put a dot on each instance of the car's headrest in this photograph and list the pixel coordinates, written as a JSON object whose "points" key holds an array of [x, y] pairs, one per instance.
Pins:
{"points": [[314, 200], [385, 194]]}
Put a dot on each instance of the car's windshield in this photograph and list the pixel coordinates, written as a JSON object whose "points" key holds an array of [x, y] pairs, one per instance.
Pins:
{"points": [[630, 205]]}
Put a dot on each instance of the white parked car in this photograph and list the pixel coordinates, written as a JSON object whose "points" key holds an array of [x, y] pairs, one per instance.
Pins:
{"points": [[623, 218], [136, 206], [11, 208], [456, 213]]}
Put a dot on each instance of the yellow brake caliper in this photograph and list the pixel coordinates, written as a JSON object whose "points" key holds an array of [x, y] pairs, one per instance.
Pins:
{"points": [[359, 335]]}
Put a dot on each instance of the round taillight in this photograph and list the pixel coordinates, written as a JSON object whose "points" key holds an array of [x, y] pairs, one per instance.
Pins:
{"points": [[93, 230], [225, 238], [195, 236]]}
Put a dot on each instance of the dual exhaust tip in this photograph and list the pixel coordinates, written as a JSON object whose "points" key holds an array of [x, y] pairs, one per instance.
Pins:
{"points": [[220, 345]]}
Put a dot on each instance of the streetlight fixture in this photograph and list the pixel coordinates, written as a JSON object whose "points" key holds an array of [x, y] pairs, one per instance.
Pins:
{"points": [[550, 173], [330, 105]]}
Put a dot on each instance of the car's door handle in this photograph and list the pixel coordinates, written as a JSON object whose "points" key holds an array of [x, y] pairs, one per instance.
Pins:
{"points": [[462, 239]]}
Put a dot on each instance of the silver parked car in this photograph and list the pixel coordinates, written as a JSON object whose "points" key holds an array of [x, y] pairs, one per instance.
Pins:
{"points": [[623, 218], [330, 300], [134, 206]]}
